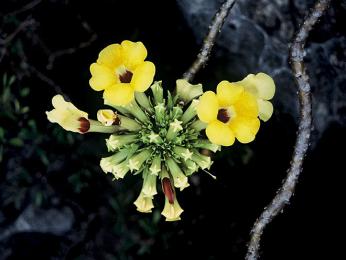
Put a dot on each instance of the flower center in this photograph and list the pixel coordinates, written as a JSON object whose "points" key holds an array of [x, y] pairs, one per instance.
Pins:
{"points": [[223, 115], [84, 125], [125, 77]]}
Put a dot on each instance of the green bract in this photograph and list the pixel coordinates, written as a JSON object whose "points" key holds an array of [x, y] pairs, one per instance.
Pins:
{"points": [[159, 138]]}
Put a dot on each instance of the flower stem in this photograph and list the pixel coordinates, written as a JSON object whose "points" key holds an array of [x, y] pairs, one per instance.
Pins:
{"points": [[96, 126]]}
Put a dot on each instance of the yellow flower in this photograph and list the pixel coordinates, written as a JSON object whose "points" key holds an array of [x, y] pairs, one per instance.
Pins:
{"points": [[262, 87], [120, 70], [68, 116], [230, 113], [72, 119], [107, 117], [172, 209], [144, 203]]}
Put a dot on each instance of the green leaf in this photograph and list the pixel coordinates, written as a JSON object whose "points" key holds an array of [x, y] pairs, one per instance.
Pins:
{"points": [[24, 92], [4, 79], [2, 134], [156, 216], [6, 94], [16, 142], [43, 157], [38, 198], [114, 204], [25, 110], [16, 105], [32, 124], [12, 80], [169, 101]]}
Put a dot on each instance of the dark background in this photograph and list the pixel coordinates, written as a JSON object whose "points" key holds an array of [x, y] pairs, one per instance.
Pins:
{"points": [[56, 203]]}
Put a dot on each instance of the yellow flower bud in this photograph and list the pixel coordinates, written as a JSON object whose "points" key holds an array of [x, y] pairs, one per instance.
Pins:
{"points": [[107, 117]]}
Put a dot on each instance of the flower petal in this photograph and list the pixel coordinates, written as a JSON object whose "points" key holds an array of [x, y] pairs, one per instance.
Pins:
{"points": [[57, 116], [265, 109], [265, 86], [246, 105], [107, 117], [143, 76], [245, 128], [66, 114], [172, 211], [208, 107], [260, 85], [102, 77], [110, 56], [60, 104], [119, 94], [144, 204], [134, 53], [228, 93], [220, 134]]}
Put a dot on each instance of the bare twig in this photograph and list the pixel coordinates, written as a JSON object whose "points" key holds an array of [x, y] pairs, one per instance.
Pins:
{"points": [[28, 67], [302, 142], [54, 55], [6, 41], [25, 8], [209, 40], [21, 26], [46, 79]]}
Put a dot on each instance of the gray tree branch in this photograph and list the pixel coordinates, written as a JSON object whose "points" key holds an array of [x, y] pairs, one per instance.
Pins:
{"points": [[284, 194], [209, 40]]}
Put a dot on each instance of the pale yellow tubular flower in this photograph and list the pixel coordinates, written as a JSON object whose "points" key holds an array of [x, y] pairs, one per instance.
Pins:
{"points": [[72, 119], [107, 117], [186, 91], [202, 161], [155, 167], [179, 179], [144, 203], [149, 184], [172, 209], [120, 170], [115, 141], [136, 161], [68, 116], [107, 164]]}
